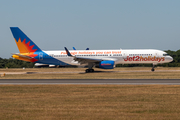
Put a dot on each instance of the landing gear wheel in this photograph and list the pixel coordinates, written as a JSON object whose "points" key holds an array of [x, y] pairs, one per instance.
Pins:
{"points": [[152, 69], [89, 70]]}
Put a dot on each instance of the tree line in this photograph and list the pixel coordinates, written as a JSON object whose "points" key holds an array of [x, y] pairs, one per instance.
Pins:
{"points": [[14, 63]]}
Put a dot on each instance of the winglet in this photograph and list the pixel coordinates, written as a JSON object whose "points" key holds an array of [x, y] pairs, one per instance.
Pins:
{"points": [[74, 48], [67, 51]]}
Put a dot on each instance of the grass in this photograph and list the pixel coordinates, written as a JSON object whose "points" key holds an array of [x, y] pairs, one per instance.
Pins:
{"points": [[78, 73], [89, 102]]}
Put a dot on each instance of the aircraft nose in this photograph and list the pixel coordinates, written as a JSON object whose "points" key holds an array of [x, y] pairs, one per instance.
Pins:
{"points": [[170, 59]]}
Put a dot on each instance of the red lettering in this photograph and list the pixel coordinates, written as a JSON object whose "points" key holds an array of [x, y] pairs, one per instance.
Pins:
{"points": [[140, 58], [162, 58], [137, 58], [126, 58], [130, 58], [159, 59], [134, 57], [145, 59]]}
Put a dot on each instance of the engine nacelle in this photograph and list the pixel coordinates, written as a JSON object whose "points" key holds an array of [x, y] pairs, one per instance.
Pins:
{"points": [[106, 64], [41, 65], [52, 66], [45, 65]]}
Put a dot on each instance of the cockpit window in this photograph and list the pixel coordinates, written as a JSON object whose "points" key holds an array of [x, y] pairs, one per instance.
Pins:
{"points": [[165, 54]]}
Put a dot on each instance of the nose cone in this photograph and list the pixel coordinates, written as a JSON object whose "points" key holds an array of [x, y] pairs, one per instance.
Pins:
{"points": [[170, 59]]}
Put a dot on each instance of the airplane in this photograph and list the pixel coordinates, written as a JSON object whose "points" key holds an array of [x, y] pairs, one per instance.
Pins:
{"points": [[104, 59]]}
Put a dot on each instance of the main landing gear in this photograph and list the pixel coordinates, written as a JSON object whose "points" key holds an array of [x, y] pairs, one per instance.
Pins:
{"points": [[89, 70], [90, 66]]}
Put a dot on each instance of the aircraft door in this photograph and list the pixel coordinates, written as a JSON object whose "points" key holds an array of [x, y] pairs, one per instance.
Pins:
{"points": [[157, 55], [40, 56], [124, 55]]}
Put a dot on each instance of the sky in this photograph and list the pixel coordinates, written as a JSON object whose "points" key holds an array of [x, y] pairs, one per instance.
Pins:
{"points": [[97, 24]]}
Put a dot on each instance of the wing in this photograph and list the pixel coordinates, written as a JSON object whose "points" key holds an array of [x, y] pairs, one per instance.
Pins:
{"points": [[83, 60]]}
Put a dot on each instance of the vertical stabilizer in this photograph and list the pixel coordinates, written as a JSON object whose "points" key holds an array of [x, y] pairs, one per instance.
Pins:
{"points": [[25, 45]]}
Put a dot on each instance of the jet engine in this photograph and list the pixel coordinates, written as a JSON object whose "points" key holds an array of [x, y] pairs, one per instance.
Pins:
{"points": [[105, 64]]}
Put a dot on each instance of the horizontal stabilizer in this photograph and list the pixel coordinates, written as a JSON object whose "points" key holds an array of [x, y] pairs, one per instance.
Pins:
{"points": [[23, 56]]}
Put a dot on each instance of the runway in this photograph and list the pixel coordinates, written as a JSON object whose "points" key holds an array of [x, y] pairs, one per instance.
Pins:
{"points": [[90, 81], [80, 72]]}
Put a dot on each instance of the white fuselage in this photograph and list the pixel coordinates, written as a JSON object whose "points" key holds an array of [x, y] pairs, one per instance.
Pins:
{"points": [[132, 56]]}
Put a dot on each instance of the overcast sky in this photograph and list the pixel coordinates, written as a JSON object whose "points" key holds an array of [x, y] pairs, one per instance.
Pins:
{"points": [[97, 24]]}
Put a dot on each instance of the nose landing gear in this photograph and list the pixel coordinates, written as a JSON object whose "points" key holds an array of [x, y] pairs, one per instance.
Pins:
{"points": [[153, 68]]}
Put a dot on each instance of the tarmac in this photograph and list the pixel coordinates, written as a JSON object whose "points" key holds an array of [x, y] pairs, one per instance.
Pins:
{"points": [[128, 71]]}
